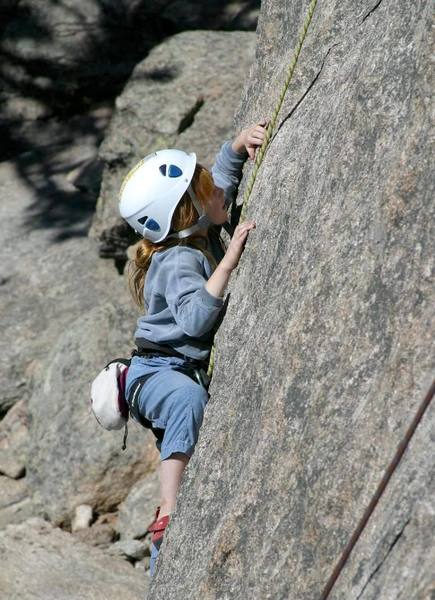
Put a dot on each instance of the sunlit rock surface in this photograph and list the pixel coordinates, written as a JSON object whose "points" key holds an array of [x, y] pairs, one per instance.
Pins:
{"points": [[327, 347]]}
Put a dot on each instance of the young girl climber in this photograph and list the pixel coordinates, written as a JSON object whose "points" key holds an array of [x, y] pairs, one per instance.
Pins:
{"points": [[179, 274]]}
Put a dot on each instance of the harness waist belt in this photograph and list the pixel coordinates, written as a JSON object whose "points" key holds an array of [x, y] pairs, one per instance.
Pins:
{"points": [[145, 347]]}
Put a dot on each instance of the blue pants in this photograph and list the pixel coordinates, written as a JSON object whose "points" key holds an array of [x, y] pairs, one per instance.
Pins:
{"points": [[171, 400], [155, 549]]}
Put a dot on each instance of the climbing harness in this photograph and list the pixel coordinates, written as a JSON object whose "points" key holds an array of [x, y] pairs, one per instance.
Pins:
{"points": [[195, 369], [110, 404], [269, 130]]}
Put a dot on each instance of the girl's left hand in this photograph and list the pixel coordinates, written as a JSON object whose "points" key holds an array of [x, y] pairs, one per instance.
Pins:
{"points": [[250, 139], [237, 245]]}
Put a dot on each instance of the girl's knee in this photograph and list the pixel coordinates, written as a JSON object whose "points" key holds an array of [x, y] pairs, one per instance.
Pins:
{"points": [[182, 430], [198, 398], [192, 393], [191, 403]]}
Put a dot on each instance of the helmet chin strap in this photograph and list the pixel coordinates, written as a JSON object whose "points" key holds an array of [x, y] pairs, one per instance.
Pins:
{"points": [[202, 223]]}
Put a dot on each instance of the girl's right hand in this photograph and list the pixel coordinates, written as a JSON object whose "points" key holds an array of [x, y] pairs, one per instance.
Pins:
{"points": [[237, 245]]}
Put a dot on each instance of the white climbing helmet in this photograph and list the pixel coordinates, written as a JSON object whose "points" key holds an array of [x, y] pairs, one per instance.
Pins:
{"points": [[151, 191]]}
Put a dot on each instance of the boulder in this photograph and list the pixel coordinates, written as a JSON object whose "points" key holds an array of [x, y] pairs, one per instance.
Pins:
{"points": [[46, 263], [55, 52], [9, 466], [100, 534], [15, 501], [42, 294], [138, 509], [132, 550], [46, 563], [50, 279], [326, 351], [72, 459], [82, 518], [14, 436]]}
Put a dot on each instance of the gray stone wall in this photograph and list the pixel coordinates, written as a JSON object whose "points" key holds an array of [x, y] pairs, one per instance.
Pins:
{"points": [[323, 357], [326, 350]]}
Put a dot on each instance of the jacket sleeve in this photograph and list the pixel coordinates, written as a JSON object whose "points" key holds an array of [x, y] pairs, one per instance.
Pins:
{"points": [[227, 170], [194, 309]]}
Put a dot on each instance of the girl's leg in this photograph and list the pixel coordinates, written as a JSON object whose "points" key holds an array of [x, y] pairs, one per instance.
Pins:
{"points": [[171, 473], [175, 403]]}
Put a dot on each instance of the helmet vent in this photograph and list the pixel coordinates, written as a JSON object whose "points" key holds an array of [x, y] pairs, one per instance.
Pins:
{"points": [[149, 223], [172, 171], [152, 225]]}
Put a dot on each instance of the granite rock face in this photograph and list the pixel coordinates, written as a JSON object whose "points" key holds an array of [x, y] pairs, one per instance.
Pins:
{"points": [[326, 350], [72, 460]]}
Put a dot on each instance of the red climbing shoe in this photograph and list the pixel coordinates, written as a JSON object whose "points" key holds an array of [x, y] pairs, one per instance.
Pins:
{"points": [[158, 528]]}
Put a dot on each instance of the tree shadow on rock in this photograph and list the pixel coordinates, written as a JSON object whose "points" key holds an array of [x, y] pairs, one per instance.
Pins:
{"points": [[58, 61]]}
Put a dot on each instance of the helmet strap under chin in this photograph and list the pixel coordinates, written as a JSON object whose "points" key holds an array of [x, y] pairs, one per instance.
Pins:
{"points": [[202, 223], [196, 203]]}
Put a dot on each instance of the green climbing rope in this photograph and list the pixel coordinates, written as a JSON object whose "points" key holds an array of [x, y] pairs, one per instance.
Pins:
{"points": [[261, 152], [270, 128]]}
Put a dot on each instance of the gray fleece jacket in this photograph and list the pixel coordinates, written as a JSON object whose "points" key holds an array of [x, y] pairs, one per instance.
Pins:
{"points": [[181, 313]]}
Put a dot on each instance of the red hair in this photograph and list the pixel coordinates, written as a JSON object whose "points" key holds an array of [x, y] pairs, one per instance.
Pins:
{"points": [[185, 215]]}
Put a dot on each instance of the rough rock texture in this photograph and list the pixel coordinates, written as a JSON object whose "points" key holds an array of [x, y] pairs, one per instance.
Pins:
{"points": [[14, 435], [46, 260], [72, 460], [14, 432], [44, 563], [327, 347], [15, 502], [137, 511], [100, 534], [183, 95], [130, 549]]}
